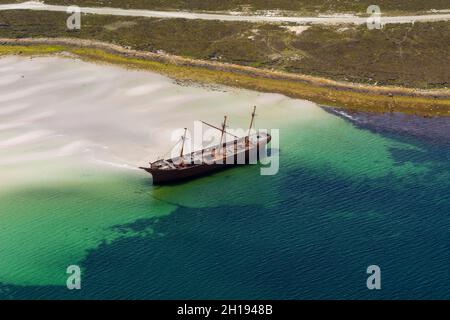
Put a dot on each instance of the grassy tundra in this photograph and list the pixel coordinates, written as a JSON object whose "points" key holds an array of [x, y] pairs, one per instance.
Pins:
{"points": [[414, 56]]}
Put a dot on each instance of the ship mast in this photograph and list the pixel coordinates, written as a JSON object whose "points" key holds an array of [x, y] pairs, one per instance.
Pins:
{"points": [[224, 125], [182, 147], [251, 122], [247, 138], [210, 125]]}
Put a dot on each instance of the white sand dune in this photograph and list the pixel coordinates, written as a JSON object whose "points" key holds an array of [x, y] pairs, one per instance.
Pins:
{"points": [[66, 112], [13, 108], [24, 138]]}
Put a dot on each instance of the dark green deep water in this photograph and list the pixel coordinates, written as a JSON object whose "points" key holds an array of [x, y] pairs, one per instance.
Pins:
{"points": [[348, 195]]}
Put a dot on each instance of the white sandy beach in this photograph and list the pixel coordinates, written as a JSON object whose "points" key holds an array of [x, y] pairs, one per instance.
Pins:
{"points": [[59, 114]]}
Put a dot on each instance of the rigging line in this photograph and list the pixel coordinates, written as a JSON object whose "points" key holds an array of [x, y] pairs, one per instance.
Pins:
{"points": [[165, 154], [220, 129]]}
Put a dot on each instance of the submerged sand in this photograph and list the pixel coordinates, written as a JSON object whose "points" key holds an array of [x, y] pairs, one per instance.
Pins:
{"points": [[72, 134]]}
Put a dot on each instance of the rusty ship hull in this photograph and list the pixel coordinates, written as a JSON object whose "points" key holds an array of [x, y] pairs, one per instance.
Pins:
{"points": [[242, 151]]}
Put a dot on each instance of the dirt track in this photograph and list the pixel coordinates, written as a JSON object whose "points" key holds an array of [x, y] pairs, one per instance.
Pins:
{"points": [[324, 20]]}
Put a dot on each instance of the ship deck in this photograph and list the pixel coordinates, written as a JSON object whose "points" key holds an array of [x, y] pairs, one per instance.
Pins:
{"points": [[212, 154]]}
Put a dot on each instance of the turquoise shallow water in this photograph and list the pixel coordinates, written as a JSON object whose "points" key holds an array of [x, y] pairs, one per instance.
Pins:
{"points": [[352, 191], [346, 197]]}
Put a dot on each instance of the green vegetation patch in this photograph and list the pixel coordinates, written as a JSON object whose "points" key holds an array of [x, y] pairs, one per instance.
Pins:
{"points": [[406, 55], [30, 50], [322, 95]]}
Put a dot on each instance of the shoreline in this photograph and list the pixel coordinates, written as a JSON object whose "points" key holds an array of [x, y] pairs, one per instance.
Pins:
{"points": [[432, 131], [350, 96]]}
